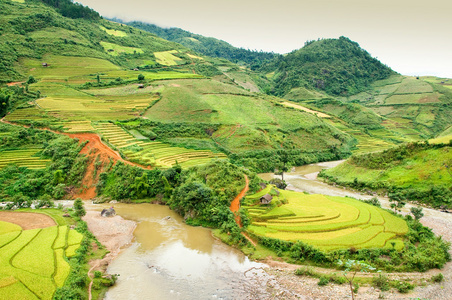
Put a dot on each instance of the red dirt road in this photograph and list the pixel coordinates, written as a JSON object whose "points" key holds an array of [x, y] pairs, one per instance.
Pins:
{"points": [[94, 147], [235, 204]]}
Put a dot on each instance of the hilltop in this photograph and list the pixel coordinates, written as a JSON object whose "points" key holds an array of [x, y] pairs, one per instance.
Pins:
{"points": [[334, 66]]}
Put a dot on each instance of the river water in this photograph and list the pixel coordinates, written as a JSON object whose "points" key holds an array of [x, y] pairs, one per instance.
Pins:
{"points": [[171, 260]]}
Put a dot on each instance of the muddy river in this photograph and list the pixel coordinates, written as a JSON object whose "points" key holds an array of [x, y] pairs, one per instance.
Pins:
{"points": [[171, 260]]}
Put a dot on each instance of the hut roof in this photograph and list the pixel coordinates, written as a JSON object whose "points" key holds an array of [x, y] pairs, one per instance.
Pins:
{"points": [[267, 197]]}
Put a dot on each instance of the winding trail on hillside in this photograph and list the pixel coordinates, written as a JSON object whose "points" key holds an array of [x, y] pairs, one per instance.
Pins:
{"points": [[94, 149], [235, 206]]}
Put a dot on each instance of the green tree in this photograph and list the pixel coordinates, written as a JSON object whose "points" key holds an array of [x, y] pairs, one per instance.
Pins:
{"points": [[79, 209], [284, 163], [417, 212], [31, 80], [351, 268], [58, 177], [140, 187], [141, 77], [4, 103]]}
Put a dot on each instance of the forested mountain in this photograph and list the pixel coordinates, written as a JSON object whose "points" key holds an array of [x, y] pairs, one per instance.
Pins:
{"points": [[335, 66], [207, 45]]}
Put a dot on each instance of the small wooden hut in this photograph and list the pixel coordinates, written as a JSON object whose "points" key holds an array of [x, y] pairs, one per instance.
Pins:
{"points": [[266, 199]]}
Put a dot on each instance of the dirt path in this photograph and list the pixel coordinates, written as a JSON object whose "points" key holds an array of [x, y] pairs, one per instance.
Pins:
{"points": [[95, 148], [15, 83], [27, 220], [235, 206]]}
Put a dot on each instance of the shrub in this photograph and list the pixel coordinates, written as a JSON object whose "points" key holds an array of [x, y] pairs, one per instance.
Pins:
{"points": [[438, 278], [381, 282], [403, 286], [323, 280]]}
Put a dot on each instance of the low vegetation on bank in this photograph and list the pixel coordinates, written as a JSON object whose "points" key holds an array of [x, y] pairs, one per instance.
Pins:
{"points": [[418, 172]]}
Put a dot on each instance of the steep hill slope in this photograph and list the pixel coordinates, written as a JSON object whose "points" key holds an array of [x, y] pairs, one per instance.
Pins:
{"points": [[85, 74], [207, 45], [334, 66]]}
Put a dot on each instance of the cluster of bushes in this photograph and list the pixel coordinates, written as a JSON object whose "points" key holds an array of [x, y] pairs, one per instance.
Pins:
{"points": [[269, 160], [393, 156], [152, 129], [422, 251], [21, 185], [125, 182], [76, 284]]}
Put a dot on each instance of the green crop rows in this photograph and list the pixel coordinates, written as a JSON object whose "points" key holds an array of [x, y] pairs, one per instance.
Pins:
{"points": [[326, 222], [34, 260], [22, 158], [153, 153]]}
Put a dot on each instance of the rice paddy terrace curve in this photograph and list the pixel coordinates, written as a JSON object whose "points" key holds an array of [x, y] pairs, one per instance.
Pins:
{"points": [[326, 222], [32, 257]]}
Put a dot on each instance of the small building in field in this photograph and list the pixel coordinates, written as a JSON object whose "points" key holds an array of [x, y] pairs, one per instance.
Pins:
{"points": [[263, 185], [266, 199], [44, 64], [141, 86]]}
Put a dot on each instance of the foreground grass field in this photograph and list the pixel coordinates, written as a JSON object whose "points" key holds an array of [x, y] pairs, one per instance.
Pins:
{"points": [[33, 262], [328, 223]]}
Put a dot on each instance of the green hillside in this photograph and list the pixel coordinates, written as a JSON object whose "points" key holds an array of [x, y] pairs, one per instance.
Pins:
{"points": [[417, 108], [208, 46], [334, 66], [82, 71], [415, 171]]}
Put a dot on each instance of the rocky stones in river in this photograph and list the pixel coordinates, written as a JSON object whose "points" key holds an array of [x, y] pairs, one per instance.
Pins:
{"points": [[110, 212]]}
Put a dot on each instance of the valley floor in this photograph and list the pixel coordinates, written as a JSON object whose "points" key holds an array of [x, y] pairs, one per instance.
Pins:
{"points": [[278, 280]]}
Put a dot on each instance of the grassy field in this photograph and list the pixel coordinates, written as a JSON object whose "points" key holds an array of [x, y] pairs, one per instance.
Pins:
{"points": [[32, 262], [411, 107], [326, 222], [167, 58], [114, 32], [23, 158], [248, 121], [115, 49], [151, 153]]}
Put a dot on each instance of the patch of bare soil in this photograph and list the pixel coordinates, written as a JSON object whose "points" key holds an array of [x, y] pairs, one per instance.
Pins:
{"points": [[113, 232], [27, 220]]}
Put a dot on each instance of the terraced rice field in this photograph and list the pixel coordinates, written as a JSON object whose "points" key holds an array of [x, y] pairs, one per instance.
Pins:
{"points": [[23, 158], [32, 262], [156, 154], [328, 223], [167, 58], [115, 49], [32, 114]]}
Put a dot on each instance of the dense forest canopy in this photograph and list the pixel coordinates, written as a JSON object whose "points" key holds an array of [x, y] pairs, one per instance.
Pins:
{"points": [[207, 45], [335, 66]]}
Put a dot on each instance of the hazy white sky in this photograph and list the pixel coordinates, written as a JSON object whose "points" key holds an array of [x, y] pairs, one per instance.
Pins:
{"points": [[413, 37]]}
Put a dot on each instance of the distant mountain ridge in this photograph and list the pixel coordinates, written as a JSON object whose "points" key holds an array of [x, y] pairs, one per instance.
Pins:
{"points": [[208, 46]]}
